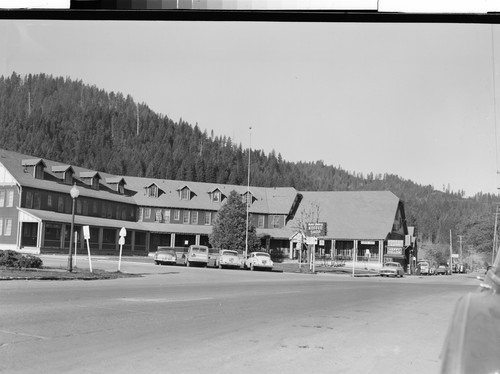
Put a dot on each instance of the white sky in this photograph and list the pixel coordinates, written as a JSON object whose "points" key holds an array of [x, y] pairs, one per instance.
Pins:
{"points": [[414, 100]]}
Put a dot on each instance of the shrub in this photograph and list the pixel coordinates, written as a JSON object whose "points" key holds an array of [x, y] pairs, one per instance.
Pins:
{"points": [[13, 259]]}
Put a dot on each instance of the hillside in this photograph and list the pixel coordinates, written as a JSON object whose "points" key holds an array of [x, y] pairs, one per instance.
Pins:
{"points": [[68, 121]]}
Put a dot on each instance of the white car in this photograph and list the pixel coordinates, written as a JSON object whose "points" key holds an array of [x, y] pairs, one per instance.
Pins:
{"points": [[258, 260], [228, 259], [165, 255]]}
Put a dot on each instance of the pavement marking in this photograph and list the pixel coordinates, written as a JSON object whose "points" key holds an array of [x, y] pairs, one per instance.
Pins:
{"points": [[162, 300], [24, 334]]}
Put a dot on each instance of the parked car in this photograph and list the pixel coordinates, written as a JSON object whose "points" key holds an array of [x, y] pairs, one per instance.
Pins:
{"points": [[228, 259], [165, 255], [392, 269], [424, 268], [258, 260], [196, 255], [443, 269]]}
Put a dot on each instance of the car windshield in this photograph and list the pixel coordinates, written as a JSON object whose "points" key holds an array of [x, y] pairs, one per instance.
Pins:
{"points": [[167, 251], [262, 255], [391, 264]]}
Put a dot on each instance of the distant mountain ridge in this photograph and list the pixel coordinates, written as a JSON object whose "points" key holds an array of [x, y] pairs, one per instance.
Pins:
{"points": [[71, 122]]}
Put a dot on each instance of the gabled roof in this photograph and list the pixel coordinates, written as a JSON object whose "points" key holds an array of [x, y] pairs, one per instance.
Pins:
{"points": [[115, 180], [32, 162], [354, 215], [89, 174], [61, 168]]}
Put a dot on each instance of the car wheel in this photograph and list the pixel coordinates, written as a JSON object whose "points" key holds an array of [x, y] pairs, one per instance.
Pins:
{"points": [[157, 262]]}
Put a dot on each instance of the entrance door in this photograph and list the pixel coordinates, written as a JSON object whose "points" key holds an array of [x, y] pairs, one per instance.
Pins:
{"points": [[29, 234]]}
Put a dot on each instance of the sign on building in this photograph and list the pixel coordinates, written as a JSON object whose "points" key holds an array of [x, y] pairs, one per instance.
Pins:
{"points": [[316, 229]]}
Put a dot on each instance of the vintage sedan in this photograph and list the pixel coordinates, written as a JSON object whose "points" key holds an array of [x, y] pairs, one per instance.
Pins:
{"points": [[258, 260], [392, 269], [228, 259], [165, 256]]}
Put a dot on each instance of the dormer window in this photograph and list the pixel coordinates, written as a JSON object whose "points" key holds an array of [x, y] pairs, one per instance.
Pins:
{"points": [[247, 198], [118, 183], [35, 167], [152, 190], [216, 195], [64, 173], [91, 178], [185, 193]]}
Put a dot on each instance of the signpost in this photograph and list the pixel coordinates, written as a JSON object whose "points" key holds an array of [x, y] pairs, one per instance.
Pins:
{"points": [[76, 241], [313, 230], [86, 236], [121, 242]]}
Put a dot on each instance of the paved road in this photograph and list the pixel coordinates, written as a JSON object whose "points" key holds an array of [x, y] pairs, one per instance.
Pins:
{"points": [[193, 320]]}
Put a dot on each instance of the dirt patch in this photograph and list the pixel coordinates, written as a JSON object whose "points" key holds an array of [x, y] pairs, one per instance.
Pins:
{"points": [[60, 274]]}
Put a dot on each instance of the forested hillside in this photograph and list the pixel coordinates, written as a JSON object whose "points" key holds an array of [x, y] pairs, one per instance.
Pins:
{"points": [[68, 121]]}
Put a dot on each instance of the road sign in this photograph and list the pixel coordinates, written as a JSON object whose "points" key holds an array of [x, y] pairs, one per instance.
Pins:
{"points": [[121, 241], [86, 232], [316, 228], [123, 232]]}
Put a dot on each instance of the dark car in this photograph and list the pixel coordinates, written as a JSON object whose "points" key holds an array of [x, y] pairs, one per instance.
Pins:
{"points": [[443, 270], [472, 341]]}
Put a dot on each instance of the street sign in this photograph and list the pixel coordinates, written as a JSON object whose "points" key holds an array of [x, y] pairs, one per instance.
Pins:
{"points": [[123, 232], [86, 232], [121, 241], [311, 240], [316, 229]]}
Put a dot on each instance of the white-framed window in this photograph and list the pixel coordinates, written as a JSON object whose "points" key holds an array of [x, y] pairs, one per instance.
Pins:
{"points": [[147, 213], [152, 191], [208, 218], [49, 200], [166, 215], [2, 198], [194, 218], [158, 216], [141, 214], [185, 193], [185, 216], [10, 198], [216, 196], [260, 221], [177, 215], [8, 227], [1, 226]]}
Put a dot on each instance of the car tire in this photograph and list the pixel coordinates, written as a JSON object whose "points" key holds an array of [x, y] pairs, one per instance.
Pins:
{"points": [[157, 262]]}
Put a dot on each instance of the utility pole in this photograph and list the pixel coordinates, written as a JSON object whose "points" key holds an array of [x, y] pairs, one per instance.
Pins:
{"points": [[451, 254], [461, 258], [495, 236], [137, 106]]}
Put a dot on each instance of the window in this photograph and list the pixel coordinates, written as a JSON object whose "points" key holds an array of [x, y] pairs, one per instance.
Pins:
{"points": [[185, 216], [1, 226], [275, 221], [60, 204], [49, 200], [194, 218], [260, 222], [166, 215], [147, 213], [68, 177], [141, 214], [8, 227], [36, 200], [152, 191], [29, 199], [177, 215], [185, 193], [78, 206], [208, 218], [2, 198], [95, 183], [158, 217], [85, 208], [39, 172], [10, 199], [216, 196], [247, 198]]}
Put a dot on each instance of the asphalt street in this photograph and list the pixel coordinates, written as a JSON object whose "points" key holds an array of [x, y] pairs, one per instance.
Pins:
{"points": [[190, 320]]}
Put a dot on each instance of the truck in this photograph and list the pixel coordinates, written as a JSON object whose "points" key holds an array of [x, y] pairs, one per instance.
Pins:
{"points": [[196, 255]]}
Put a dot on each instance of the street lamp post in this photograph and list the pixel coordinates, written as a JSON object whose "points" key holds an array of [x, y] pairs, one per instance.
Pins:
{"points": [[74, 192], [248, 194]]}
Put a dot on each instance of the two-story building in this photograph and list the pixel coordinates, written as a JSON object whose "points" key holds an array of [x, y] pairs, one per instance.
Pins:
{"points": [[36, 208]]}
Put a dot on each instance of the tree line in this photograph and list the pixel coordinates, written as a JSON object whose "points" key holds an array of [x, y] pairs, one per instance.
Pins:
{"points": [[72, 122]]}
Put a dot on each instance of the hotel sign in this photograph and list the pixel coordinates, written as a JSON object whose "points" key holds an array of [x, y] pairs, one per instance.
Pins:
{"points": [[316, 229]]}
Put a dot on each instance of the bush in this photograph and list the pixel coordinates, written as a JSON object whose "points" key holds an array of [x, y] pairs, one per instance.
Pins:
{"points": [[13, 259]]}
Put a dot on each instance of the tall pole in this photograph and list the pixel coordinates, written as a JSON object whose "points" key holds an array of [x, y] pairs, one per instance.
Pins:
{"points": [[70, 259], [248, 192], [451, 255], [495, 236]]}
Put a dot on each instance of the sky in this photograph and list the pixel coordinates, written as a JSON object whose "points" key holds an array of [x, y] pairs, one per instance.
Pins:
{"points": [[416, 100]]}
